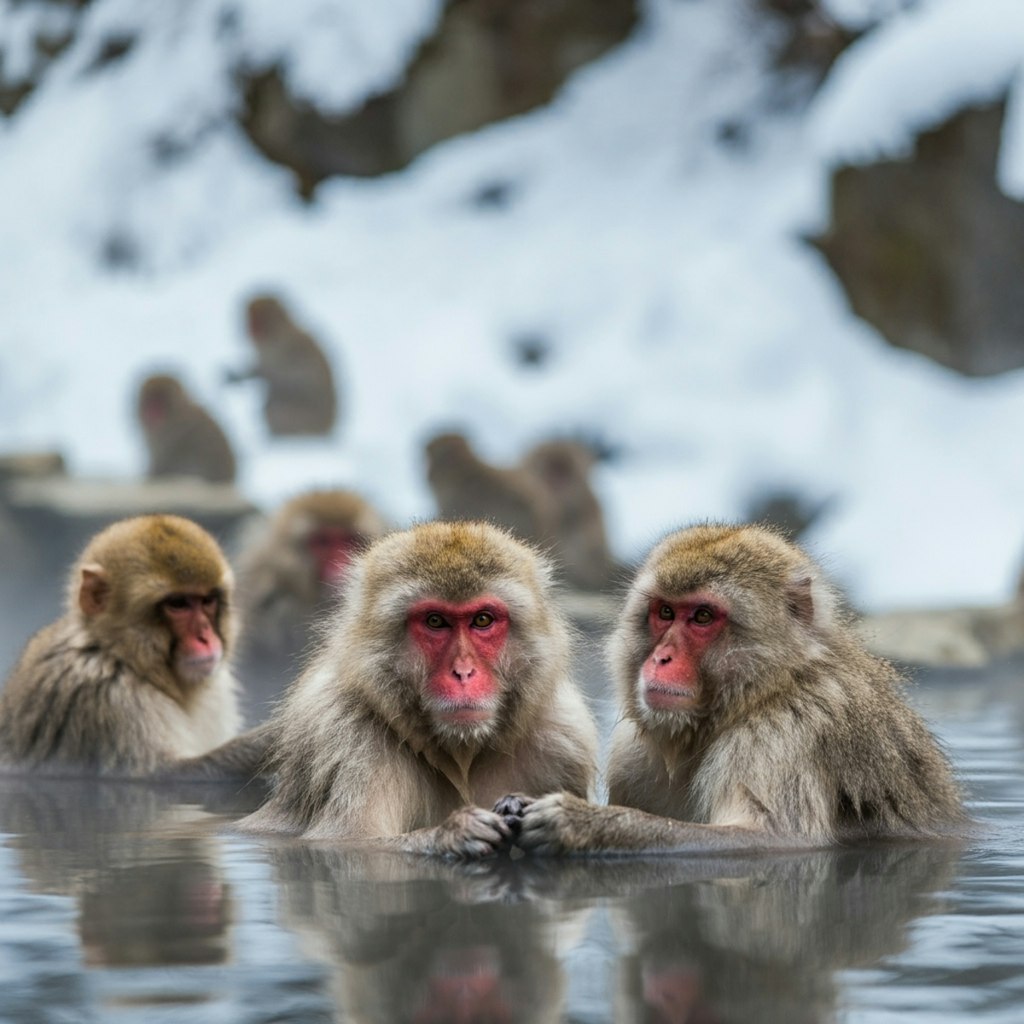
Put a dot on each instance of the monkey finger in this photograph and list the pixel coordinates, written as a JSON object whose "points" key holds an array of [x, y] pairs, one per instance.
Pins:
{"points": [[487, 825], [511, 807], [474, 849]]}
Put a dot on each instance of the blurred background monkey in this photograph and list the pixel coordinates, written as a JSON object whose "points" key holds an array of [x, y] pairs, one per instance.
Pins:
{"points": [[301, 398], [467, 488], [579, 540], [135, 674], [291, 565], [183, 439]]}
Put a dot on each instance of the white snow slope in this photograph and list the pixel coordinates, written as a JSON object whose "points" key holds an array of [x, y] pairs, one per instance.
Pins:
{"points": [[690, 326]]}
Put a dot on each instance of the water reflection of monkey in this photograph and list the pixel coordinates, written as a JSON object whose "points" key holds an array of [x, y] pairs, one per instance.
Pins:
{"points": [[695, 940], [144, 874], [766, 942], [426, 941]]}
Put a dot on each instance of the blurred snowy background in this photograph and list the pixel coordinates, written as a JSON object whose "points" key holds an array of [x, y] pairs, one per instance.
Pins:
{"points": [[695, 230]]}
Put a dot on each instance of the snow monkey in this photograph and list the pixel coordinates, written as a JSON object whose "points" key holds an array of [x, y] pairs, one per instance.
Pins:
{"points": [[295, 562], [443, 682], [580, 542], [751, 716], [135, 674], [466, 487], [300, 391], [182, 437]]}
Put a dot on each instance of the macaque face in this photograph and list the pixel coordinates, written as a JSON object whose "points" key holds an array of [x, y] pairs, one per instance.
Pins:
{"points": [[461, 645], [331, 549], [192, 620], [263, 316], [681, 631], [153, 409]]}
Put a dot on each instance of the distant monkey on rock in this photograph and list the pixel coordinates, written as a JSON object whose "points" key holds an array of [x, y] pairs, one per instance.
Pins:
{"points": [[467, 488], [752, 717], [301, 399], [443, 682], [293, 564], [183, 439], [135, 674], [580, 543]]}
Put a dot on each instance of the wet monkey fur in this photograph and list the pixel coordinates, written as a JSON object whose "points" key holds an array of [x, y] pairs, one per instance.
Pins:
{"points": [[135, 674], [752, 716], [442, 683]]}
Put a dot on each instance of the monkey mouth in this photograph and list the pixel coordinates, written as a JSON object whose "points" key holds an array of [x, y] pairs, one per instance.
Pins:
{"points": [[465, 713], [196, 669], [661, 697]]}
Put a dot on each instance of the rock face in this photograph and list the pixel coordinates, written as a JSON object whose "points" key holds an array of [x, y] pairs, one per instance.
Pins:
{"points": [[489, 59], [929, 249]]}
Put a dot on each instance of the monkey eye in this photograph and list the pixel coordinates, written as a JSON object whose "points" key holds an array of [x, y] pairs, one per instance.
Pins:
{"points": [[665, 612], [703, 615], [482, 620], [177, 602], [210, 602], [435, 621]]}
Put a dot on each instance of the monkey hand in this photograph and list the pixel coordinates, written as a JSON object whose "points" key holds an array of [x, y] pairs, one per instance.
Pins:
{"points": [[511, 807], [471, 833], [556, 823]]}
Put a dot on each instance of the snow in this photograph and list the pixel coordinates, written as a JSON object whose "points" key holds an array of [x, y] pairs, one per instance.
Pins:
{"points": [[913, 73], [689, 325]]}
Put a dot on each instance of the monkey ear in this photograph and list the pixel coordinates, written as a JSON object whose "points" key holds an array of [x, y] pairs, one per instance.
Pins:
{"points": [[94, 590], [800, 599]]}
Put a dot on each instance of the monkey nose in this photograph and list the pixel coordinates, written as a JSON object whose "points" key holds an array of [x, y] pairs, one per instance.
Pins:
{"points": [[463, 672]]}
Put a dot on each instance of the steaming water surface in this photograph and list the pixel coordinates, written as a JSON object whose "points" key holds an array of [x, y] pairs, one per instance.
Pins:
{"points": [[125, 902]]}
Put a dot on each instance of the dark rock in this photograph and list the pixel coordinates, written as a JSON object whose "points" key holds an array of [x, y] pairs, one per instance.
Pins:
{"points": [[929, 249], [488, 60]]}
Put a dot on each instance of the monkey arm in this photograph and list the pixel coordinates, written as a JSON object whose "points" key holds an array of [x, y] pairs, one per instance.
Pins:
{"points": [[564, 824], [245, 757]]}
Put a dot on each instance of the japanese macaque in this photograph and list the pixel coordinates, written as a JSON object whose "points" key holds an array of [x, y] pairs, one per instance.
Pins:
{"points": [[580, 543], [294, 564], [442, 682], [751, 716], [466, 487], [300, 392], [135, 674], [182, 437]]}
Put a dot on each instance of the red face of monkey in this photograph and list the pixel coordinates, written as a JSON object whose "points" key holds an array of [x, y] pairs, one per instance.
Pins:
{"points": [[192, 619], [461, 645], [331, 549], [681, 631]]}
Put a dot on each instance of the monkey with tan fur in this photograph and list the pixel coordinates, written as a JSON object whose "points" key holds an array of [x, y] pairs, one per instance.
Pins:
{"points": [[301, 398], [182, 438], [135, 674], [752, 716], [292, 566], [578, 533], [467, 488], [442, 682]]}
